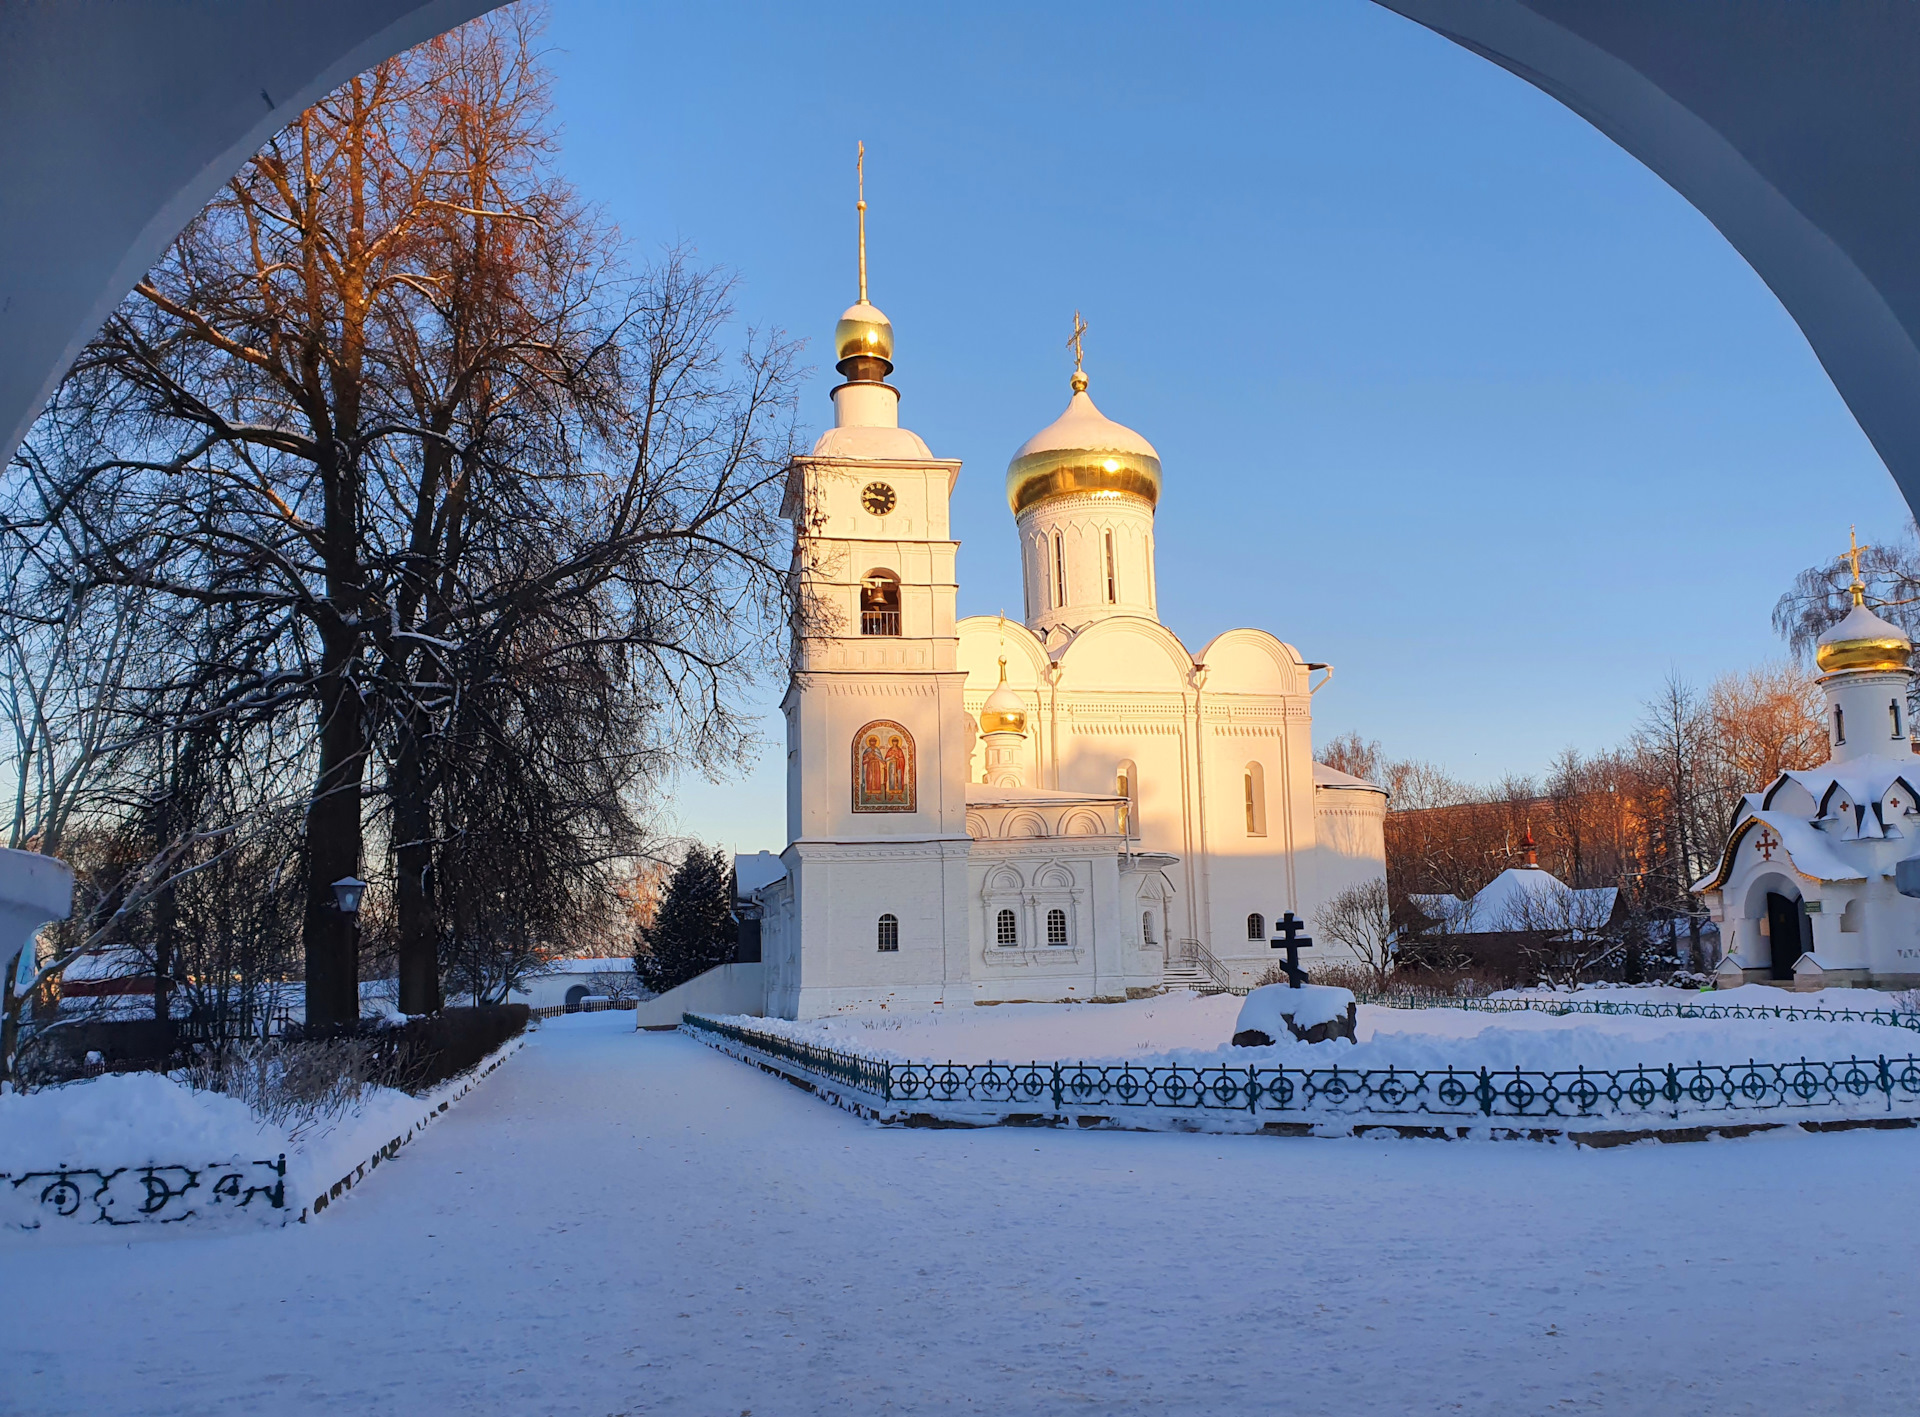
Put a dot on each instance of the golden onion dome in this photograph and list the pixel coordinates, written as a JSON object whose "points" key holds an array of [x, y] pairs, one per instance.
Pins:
{"points": [[863, 331], [1004, 711], [1083, 451], [1863, 641]]}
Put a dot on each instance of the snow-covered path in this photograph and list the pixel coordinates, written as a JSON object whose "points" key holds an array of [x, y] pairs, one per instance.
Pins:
{"points": [[622, 1223]]}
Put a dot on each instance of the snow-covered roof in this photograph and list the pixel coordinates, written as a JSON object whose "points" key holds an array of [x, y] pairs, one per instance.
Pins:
{"points": [[1809, 851], [591, 964], [1529, 897], [1864, 781], [1084, 428], [1336, 781], [860, 442], [114, 962], [755, 872]]}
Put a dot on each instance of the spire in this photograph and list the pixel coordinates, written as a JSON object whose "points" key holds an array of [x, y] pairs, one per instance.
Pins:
{"points": [[1533, 857], [1075, 344], [860, 176]]}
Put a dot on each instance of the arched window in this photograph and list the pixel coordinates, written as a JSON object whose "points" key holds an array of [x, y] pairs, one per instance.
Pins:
{"points": [[1893, 708], [880, 603], [1256, 927], [1839, 725], [1146, 927], [889, 934], [1126, 783], [1256, 785], [1006, 928], [1113, 595], [1059, 572], [1056, 927]]}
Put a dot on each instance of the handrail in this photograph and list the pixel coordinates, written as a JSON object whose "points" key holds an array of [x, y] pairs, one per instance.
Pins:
{"points": [[1195, 953]]}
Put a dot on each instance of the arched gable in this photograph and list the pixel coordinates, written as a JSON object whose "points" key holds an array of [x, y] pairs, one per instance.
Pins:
{"points": [[1253, 662], [1084, 824], [1126, 652], [1024, 824], [984, 638]]}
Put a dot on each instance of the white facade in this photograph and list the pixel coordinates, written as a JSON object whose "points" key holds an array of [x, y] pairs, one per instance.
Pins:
{"points": [[1076, 807], [1804, 894]]}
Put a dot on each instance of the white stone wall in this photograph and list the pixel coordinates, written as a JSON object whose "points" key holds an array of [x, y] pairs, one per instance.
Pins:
{"points": [[1074, 534]]}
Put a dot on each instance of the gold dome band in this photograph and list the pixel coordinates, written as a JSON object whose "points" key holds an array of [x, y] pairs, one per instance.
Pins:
{"points": [[1056, 473], [1883, 654]]}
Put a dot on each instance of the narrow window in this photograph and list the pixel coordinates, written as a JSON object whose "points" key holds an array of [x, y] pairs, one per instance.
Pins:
{"points": [[1126, 783], [1256, 927], [1006, 929], [880, 603], [1113, 597], [1059, 573], [1056, 927], [1146, 926], [1839, 724], [889, 934], [1893, 709], [1255, 780]]}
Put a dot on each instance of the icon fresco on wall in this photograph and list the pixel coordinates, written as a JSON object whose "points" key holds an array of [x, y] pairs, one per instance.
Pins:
{"points": [[883, 768]]}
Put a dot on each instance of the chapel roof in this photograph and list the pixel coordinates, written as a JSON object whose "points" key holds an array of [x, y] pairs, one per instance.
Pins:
{"points": [[1083, 451]]}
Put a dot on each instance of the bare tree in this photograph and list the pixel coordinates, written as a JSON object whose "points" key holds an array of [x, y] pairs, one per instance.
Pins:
{"points": [[1361, 918], [1566, 933]]}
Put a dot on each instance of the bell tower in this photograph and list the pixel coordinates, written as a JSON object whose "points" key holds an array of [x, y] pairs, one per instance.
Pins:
{"points": [[877, 735]]}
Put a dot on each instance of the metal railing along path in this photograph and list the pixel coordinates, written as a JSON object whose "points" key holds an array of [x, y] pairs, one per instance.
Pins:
{"points": [[899, 1091]]}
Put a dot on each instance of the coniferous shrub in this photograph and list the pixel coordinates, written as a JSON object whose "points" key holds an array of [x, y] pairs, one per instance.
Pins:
{"points": [[694, 928]]}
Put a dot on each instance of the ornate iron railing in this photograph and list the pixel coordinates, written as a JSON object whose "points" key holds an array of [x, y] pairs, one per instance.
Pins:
{"points": [[1204, 961], [1667, 1092], [133, 1195], [1896, 1018]]}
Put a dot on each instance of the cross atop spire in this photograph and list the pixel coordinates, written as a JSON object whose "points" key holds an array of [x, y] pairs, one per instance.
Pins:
{"points": [[1854, 548], [860, 176], [1075, 343]]}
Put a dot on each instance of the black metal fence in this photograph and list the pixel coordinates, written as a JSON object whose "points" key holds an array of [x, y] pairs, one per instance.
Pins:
{"points": [[1624, 1094], [134, 1195], [1895, 1018]]}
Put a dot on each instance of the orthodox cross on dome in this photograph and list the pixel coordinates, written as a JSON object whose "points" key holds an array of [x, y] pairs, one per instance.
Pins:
{"points": [[1766, 843], [1854, 548], [1290, 927], [1074, 342], [860, 176]]}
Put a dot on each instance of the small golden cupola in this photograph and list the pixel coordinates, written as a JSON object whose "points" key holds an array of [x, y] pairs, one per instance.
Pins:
{"points": [[1862, 642], [1083, 451], [1004, 711]]}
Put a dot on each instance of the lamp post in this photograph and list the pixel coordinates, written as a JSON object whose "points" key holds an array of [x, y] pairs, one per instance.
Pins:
{"points": [[346, 897]]}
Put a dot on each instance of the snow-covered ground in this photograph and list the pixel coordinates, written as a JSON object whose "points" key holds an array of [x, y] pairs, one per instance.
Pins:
{"points": [[633, 1223], [1197, 1030]]}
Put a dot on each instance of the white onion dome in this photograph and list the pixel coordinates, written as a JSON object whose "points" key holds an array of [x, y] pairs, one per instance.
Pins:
{"points": [[1083, 451], [863, 334], [1004, 711], [1863, 641]]}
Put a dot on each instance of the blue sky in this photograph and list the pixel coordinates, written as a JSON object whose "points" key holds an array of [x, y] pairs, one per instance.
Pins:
{"points": [[1448, 390]]}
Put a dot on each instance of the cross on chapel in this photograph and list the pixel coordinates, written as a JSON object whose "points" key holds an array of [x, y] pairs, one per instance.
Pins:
{"points": [[1294, 942], [1766, 842]]}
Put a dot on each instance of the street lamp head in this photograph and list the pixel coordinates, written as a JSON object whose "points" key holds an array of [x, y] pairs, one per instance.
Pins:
{"points": [[346, 894]]}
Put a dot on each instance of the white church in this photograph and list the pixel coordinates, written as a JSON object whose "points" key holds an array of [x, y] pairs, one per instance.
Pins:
{"points": [[1807, 892], [1074, 807]]}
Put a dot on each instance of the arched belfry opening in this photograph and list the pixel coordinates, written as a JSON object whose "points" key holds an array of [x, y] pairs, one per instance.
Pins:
{"points": [[880, 603]]}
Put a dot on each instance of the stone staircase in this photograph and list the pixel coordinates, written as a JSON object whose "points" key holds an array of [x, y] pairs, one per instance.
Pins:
{"points": [[1191, 965]]}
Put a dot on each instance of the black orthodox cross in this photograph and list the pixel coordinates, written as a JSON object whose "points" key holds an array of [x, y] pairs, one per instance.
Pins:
{"points": [[1294, 942]]}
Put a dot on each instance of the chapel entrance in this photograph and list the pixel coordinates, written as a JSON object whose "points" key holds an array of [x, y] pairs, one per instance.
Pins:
{"points": [[1784, 928]]}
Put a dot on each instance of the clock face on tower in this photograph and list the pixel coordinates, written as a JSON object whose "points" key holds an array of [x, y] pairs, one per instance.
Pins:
{"points": [[877, 498]]}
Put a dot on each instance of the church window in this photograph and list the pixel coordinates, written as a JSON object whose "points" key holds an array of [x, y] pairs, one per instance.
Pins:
{"points": [[1113, 596], [1256, 926], [1255, 782], [1839, 725], [1059, 572], [889, 934], [1126, 783], [1056, 927], [1893, 709], [1006, 929], [1146, 927], [880, 603]]}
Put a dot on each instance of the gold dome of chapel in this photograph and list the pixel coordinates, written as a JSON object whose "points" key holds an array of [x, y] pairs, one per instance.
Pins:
{"points": [[1862, 641], [1004, 711]]}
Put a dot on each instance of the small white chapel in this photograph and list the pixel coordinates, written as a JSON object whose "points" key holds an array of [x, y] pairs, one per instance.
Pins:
{"points": [[1807, 890], [1073, 807]]}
